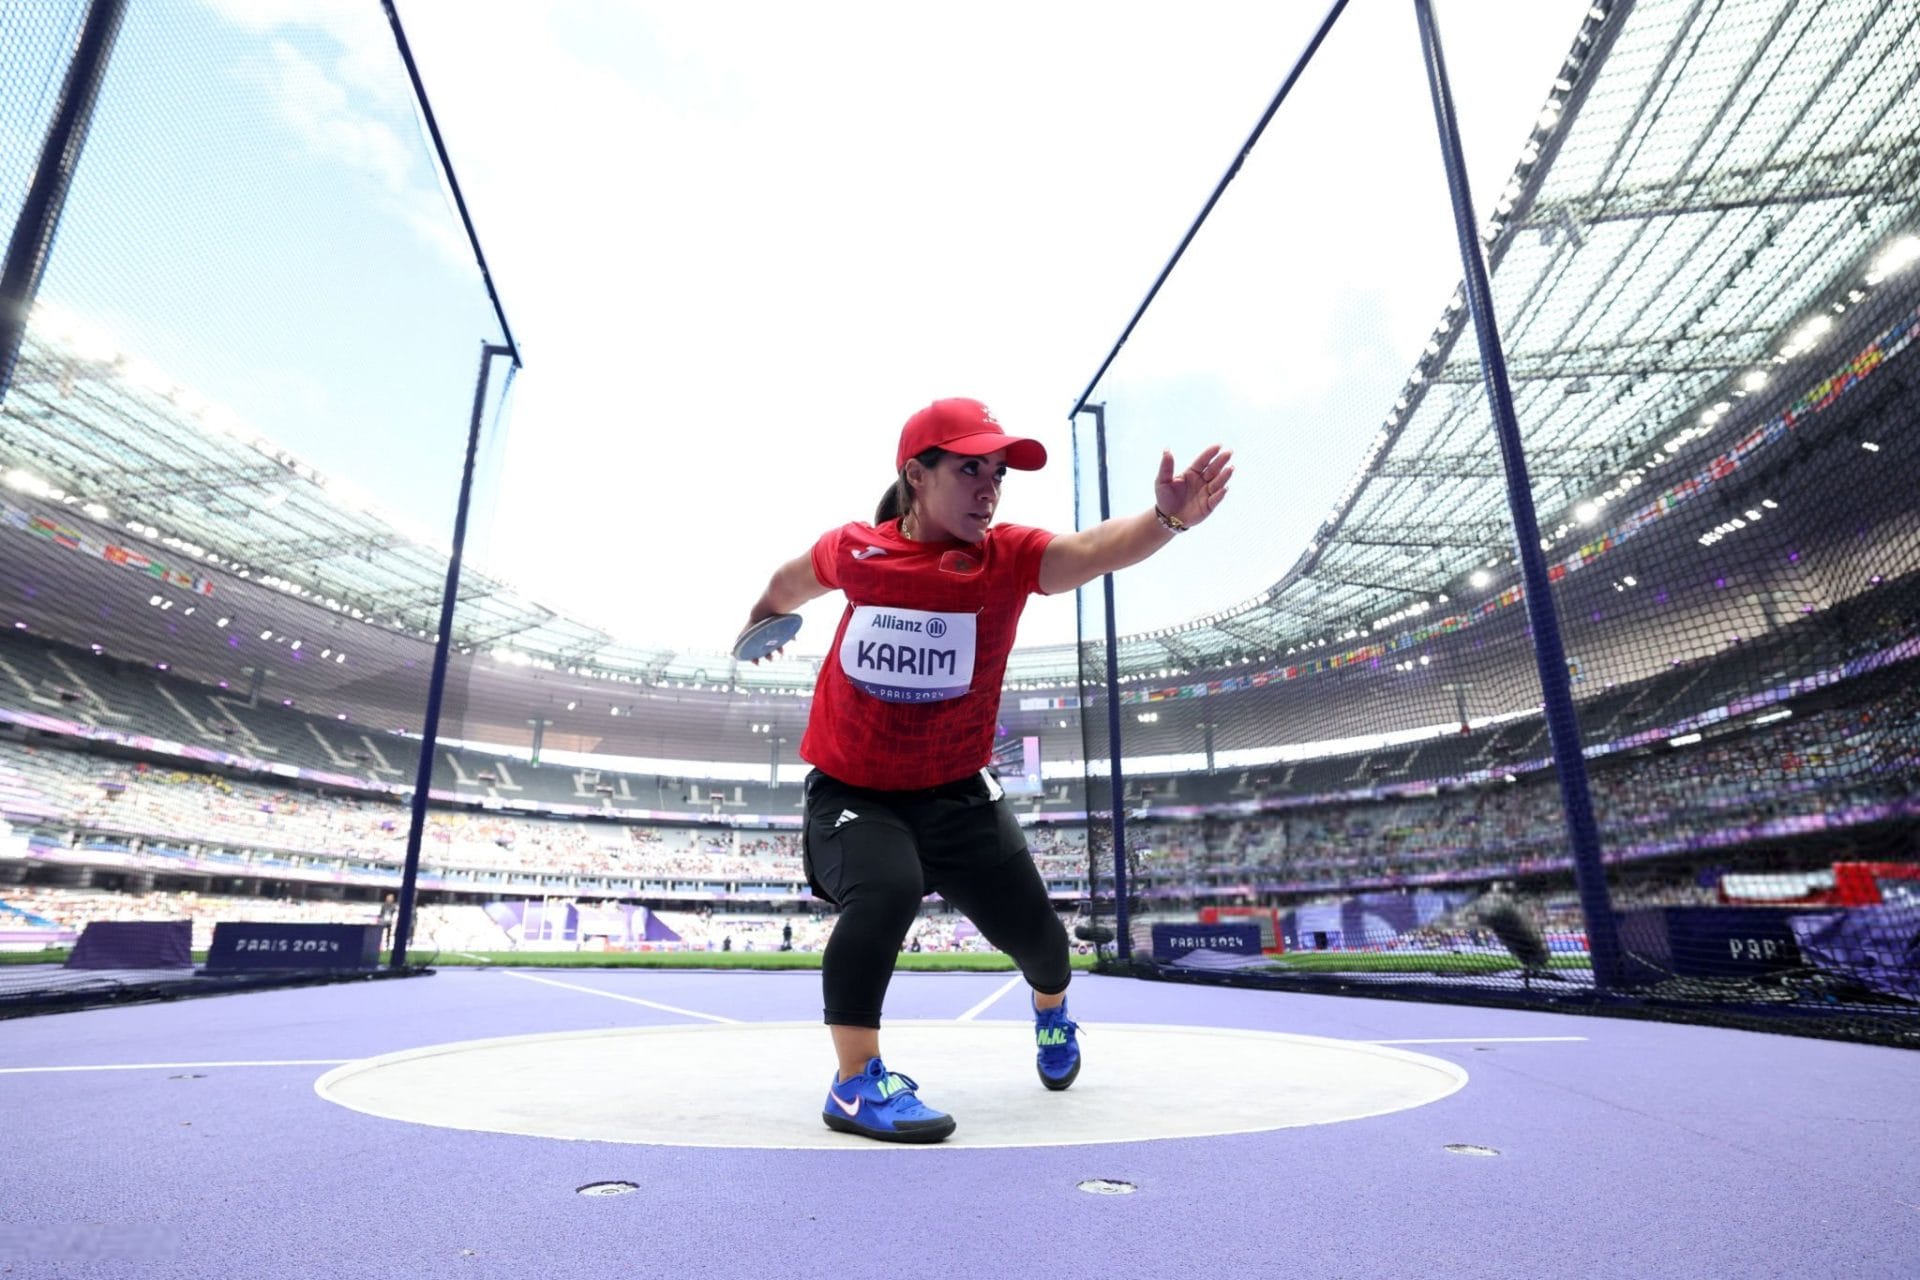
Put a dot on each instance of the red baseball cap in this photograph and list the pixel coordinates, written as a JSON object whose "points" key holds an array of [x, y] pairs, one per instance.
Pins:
{"points": [[967, 427]]}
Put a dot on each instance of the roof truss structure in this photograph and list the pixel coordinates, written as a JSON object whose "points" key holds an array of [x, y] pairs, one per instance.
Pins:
{"points": [[1708, 175]]}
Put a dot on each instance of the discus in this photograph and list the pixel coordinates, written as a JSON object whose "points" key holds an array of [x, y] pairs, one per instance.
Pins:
{"points": [[766, 637]]}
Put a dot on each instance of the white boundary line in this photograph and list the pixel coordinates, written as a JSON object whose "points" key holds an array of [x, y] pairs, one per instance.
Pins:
{"points": [[984, 1005], [609, 995], [1482, 1040], [176, 1066]]}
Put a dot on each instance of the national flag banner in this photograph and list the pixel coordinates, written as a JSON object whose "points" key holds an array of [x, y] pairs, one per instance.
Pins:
{"points": [[112, 552], [61, 534], [1070, 702]]}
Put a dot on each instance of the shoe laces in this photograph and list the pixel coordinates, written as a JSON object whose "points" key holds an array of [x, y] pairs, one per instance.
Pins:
{"points": [[1056, 1017], [907, 1087], [904, 1097]]}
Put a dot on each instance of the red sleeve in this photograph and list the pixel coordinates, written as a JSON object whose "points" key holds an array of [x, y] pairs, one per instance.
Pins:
{"points": [[826, 554], [1029, 545]]}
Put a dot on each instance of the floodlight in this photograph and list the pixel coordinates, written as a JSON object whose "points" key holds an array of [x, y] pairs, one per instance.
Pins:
{"points": [[1808, 334], [1894, 257], [26, 482]]}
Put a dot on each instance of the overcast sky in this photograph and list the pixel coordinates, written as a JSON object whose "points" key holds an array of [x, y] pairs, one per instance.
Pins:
{"points": [[739, 243]]}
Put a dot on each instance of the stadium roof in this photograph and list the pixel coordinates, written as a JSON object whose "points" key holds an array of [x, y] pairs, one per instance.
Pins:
{"points": [[1702, 184]]}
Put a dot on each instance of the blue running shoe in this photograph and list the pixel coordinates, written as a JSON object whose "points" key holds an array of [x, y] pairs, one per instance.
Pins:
{"points": [[879, 1103], [1059, 1056]]}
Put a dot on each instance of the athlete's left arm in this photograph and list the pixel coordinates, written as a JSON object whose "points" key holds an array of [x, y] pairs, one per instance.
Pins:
{"points": [[1181, 501]]}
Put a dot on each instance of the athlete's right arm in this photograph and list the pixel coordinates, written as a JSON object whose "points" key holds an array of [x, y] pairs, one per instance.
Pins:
{"points": [[793, 584]]}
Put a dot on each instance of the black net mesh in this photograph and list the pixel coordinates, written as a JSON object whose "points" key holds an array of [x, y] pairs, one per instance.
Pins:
{"points": [[231, 443], [1337, 770], [243, 378]]}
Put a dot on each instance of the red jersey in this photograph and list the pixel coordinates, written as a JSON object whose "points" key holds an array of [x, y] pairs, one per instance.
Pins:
{"points": [[909, 693]]}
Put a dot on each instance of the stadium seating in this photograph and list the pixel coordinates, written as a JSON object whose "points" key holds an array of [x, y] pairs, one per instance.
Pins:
{"points": [[1453, 810]]}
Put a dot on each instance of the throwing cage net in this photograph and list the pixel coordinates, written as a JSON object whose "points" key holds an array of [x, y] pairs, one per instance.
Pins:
{"points": [[1338, 765], [242, 324]]}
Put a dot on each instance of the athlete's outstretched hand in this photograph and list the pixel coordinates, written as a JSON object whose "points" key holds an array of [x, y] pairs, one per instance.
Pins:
{"points": [[1190, 496]]}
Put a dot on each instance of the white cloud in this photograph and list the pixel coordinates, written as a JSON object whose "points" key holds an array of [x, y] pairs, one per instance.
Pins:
{"points": [[741, 242], [347, 100], [366, 60], [318, 109]]}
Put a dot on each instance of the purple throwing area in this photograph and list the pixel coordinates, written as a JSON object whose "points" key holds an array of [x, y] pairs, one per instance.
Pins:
{"points": [[181, 1138]]}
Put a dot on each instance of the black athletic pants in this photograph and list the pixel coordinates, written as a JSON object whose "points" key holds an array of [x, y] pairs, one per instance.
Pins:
{"points": [[876, 854]]}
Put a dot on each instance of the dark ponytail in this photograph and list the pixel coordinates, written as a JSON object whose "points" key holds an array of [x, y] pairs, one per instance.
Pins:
{"points": [[898, 499]]}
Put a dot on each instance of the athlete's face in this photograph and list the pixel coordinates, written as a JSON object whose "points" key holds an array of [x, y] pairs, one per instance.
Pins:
{"points": [[957, 497]]}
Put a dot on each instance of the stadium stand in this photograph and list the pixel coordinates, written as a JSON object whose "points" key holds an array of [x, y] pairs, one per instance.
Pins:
{"points": [[1433, 815]]}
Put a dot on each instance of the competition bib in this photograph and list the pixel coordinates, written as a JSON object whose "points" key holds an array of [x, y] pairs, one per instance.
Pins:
{"points": [[908, 655]]}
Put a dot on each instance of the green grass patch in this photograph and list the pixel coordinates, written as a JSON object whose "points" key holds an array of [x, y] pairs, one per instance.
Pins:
{"points": [[58, 955], [1395, 962], [46, 955], [923, 962]]}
